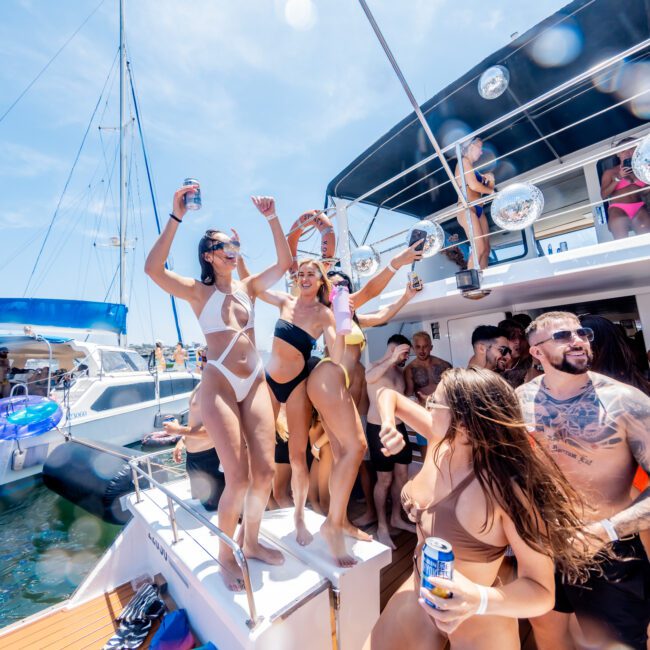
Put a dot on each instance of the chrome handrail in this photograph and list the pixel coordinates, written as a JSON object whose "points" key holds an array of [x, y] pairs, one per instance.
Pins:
{"points": [[240, 558]]}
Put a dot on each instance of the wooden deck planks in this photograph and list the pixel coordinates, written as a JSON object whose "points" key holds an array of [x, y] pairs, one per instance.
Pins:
{"points": [[86, 626]]}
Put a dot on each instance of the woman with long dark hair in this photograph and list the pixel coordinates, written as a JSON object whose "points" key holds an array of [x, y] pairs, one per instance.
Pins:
{"points": [[235, 403], [483, 486]]}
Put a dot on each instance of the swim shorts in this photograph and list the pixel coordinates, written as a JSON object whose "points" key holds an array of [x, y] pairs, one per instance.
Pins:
{"points": [[378, 461], [206, 481]]}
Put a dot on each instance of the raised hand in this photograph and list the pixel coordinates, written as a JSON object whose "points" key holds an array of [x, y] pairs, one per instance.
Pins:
{"points": [[178, 204], [391, 439], [235, 235], [265, 204], [399, 352], [408, 255], [409, 292]]}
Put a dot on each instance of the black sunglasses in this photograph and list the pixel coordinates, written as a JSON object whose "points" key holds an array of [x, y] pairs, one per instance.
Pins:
{"points": [[220, 245], [504, 350], [565, 336]]}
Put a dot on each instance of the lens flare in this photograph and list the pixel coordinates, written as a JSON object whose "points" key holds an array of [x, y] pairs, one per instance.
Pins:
{"points": [[300, 14], [557, 46]]}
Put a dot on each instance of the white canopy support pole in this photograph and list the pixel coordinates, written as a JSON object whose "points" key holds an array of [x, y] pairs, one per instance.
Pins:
{"points": [[344, 234]]}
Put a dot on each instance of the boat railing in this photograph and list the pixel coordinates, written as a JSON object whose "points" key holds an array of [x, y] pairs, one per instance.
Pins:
{"points": [[146, 473]]}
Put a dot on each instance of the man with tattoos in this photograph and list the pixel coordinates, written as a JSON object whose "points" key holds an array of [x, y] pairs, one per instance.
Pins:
{"points": [[598, 431], [423, 374]]}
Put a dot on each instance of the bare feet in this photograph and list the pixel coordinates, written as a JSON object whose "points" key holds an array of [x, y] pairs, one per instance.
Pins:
{"points": [[398, 522], [366, 519], [383, 536], [336, 542], [303, 536], [353, 531], [231, 574], [263, 553]]}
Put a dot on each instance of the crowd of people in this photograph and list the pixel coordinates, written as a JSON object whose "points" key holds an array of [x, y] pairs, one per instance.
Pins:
{"points": [[532, 450]]}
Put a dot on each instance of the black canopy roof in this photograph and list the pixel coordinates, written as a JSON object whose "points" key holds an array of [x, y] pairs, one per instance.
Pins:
{"points": [[606, 27]]}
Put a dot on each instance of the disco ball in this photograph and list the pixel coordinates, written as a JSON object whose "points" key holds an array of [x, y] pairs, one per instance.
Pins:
{"points": [[434, 239], [517, 206], [641, 160], [365, 260], [493, 82]]}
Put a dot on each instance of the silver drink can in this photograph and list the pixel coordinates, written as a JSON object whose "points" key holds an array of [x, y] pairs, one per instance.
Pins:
{"points": [[415, 281], [192, 199]]}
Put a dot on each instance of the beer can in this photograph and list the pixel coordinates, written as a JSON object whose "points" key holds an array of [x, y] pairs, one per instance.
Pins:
{"points": [[437, 562], [192, 199], [563, 246], [415, 281]]}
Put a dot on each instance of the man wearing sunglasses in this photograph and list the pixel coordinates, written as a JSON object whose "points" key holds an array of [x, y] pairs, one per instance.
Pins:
{"points": [[598, 431], [491, 349]]}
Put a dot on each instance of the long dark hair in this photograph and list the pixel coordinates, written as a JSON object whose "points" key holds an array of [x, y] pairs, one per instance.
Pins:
{"points": [[513, 471], [613, 353], [207, 271], [348, 283]]}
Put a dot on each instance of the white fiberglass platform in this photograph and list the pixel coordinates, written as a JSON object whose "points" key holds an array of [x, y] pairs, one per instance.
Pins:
{"points": [[292, 599]]}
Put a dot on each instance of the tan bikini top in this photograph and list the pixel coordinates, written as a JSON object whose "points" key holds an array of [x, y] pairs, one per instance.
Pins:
{"points": [[443, 522]]}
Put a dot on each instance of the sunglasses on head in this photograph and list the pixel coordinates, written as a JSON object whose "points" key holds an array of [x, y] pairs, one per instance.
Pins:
{"points": [[220, 245], [566, 336]]}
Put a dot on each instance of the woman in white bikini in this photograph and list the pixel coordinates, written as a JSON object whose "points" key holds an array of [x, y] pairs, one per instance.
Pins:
{"points": [[235, 403]]}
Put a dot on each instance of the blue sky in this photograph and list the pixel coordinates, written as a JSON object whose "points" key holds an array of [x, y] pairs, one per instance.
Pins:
{"points": [[248, 96]]}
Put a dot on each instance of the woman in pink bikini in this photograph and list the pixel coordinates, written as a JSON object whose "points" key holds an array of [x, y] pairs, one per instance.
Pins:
{"points": [[235, 403], [626, 194]]}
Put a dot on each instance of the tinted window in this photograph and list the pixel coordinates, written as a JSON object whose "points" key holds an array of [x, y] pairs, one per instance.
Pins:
{"points": [[119, 361], [116, 396], [170, 386]]}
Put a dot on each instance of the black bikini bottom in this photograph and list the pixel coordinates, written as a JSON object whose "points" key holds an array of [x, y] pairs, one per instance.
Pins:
{"points": [[282, 391]]}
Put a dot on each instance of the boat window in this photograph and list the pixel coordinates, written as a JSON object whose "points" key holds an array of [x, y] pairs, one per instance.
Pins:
{"points": [[35, 364], [122, 361], [171, 386], [117, 396], [567, 222]]}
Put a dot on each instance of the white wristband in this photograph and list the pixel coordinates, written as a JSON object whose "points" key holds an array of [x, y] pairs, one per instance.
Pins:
{"points": [[391, 268], [273, 216], [482, 608], [609, 529]]}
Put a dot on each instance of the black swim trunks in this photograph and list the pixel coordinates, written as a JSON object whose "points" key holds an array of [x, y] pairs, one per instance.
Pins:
{"points": [[206, 481], [379, 462], [618, 601], [282, 451]]}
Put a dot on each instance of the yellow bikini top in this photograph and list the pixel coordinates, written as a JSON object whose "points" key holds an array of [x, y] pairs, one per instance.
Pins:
{"points": [[356, 336]]}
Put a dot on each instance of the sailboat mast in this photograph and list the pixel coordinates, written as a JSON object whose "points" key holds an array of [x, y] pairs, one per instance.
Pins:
{"points": [[123, 178]]}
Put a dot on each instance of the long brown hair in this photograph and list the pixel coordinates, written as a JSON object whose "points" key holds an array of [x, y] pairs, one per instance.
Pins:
{"points": [[323, 294], [514, 472]]}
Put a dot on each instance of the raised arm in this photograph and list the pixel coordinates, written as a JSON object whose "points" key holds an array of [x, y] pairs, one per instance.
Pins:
{"points": [[384, 314], [470, 179], [155, 266], [378, 370], [392, 404], [378, 283], [267, 278]]}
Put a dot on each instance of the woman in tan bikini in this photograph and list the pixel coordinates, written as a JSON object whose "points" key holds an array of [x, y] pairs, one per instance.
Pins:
{"points": [[483, 486]]}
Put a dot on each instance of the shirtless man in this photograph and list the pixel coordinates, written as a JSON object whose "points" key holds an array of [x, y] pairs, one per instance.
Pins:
{"points": [[423, 374], [392, 471], [201, 462], [598, 431]]}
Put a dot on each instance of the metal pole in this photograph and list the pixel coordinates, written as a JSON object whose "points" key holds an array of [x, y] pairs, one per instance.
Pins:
{"points": [[172, 518], [136, 484], [468, 211], [416, 106], [123, 177]]}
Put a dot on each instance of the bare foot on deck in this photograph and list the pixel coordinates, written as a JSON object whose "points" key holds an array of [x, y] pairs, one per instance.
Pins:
{"points": [[263, 553], [231, 575], [356, 533], [398, 522], [383, 536], [366, 519], [303, 536], [336, 542]]}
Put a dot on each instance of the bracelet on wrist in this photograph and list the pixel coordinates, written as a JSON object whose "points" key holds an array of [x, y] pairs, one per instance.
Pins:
{"points": [[271, 217], [482, 608], [175, 218], [609, 529], [391, 268]]}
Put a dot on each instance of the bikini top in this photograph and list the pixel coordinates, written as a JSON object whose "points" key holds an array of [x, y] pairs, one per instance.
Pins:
{"points": [[356, 336], [295, 336], [624, 182], [211, 319], [444, 523]]}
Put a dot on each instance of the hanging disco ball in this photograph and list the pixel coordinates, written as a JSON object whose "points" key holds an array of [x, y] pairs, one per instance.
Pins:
{"points": [[493, 82], [365, 260], [641, 160], [434, 237], [517, 206]]}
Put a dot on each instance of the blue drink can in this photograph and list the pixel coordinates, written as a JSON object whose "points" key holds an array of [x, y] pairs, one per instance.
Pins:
{"points": [[192, 199], [437, 562]]}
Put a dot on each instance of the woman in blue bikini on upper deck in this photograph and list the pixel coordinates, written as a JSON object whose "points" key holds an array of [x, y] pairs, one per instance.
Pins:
{"points": [[477, 186]]}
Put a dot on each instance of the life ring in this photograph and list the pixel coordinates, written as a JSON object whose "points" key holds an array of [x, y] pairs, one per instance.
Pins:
{"points": [[25, 416], [320, 221], [160, 439]]}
